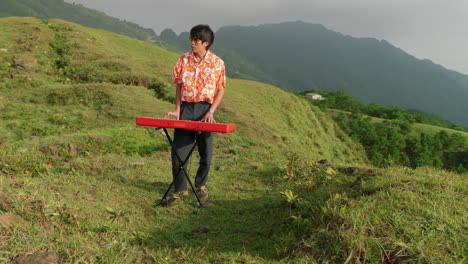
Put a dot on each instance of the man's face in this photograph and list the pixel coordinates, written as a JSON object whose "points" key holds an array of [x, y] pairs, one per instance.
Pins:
{"points": [[198, 46]]}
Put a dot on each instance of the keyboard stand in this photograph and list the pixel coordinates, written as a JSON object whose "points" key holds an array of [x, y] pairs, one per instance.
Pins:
{"points": [[165, 199]]}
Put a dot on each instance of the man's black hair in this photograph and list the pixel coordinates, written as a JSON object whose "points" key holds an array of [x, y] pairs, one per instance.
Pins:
{"points": [[203, 33]]}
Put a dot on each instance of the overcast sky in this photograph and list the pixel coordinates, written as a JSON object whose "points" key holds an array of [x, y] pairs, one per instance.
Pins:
{"points": [[432, 29]]}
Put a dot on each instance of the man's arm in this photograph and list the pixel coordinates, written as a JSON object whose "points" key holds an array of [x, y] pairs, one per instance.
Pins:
{"points": [[178, 101], [217, 100]]}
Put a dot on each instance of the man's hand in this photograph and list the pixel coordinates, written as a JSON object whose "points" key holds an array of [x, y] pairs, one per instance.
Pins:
{"points": [[209, 118], [175, 113]]}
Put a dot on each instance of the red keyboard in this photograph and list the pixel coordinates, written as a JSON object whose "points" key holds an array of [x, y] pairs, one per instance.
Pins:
{"points": [[183, 124]]}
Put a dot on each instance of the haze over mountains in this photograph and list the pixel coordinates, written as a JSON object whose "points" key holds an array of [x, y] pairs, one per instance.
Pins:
{"points": [[299, 56]]}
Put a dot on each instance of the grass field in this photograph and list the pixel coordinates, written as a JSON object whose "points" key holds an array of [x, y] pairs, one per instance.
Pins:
{"points": [[418, 128], [81, 178]]}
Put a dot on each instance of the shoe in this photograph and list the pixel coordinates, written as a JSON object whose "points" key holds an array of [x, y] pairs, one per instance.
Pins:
{"points": [[202, 194], [179, 194], [174, 197]]}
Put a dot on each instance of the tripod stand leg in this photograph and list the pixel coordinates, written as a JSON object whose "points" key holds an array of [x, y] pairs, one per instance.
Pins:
{"points": [[164, 200]]}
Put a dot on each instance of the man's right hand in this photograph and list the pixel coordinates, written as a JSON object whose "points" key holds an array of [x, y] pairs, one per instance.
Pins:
{"points": [[175, 113]]}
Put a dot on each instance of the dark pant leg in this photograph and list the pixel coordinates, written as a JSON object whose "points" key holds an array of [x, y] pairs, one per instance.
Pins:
{"points": [[205, 149], [183, 143]]}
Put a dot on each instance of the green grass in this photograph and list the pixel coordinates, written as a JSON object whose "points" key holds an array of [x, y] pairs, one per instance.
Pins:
{"points": [[414, 216], [378, 216], [418, 128], [84, 177]]}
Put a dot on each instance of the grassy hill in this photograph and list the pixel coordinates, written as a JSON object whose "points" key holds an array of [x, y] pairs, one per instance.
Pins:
{"points": [[70, 74], [432, 130], [417, 128], [78, 178], [48, 9]]}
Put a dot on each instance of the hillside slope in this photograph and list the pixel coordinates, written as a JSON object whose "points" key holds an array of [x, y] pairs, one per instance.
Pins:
{"points": [[78, 178], [58, 64], [48, 9], [68, 99]]}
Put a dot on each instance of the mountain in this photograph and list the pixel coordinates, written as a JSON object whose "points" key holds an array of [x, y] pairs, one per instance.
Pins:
{"points": [[301, 56], [47, 9]]}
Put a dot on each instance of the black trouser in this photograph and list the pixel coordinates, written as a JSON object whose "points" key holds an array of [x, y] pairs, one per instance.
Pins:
{"points": [[183, 142]]}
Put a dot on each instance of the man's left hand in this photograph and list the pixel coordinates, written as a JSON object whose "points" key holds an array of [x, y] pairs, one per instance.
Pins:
{"points": [[209, 118]]}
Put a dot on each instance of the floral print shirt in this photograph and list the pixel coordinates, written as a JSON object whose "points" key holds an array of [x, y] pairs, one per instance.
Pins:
{"points": [[200, 79]]}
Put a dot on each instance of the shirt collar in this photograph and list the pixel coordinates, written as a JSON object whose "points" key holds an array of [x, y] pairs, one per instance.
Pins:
{"points": [[206, 59]]}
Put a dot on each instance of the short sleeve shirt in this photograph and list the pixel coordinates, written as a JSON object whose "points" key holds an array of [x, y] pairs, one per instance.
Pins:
{"points": [[200, 79]]}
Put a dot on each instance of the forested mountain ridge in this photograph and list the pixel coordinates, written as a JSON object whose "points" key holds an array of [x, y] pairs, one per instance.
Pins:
{"points": [[301, 56], [392, 136]]}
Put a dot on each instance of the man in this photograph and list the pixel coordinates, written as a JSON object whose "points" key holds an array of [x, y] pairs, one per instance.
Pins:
{"points": [[200, 77]]}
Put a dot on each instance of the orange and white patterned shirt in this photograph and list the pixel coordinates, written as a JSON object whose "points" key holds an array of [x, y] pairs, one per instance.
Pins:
{"points": [[200, 79]]}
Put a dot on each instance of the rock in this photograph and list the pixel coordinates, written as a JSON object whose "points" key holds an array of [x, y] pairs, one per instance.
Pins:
{"points": [[237, 187], [351, 170], [204, 229], [73, 149], [324, 162], [67, 165], [147, 260], [371, 172], [218, 202], [7, 221], [38, 258], [4, 206], [25, 62], [22, 150], [4, 201]]}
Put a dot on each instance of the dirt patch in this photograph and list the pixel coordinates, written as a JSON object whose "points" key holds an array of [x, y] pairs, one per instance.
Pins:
{"points": [[5, 203], [25, 62], [38, 258], [8, 221]]}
